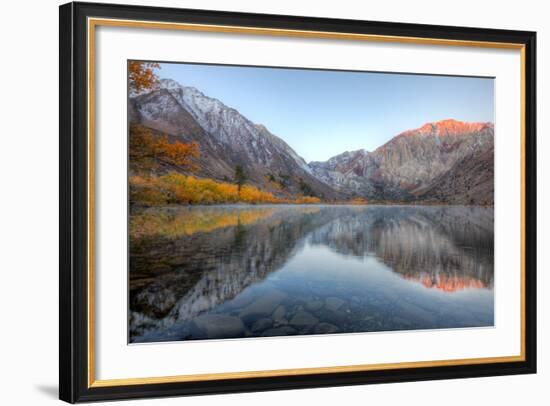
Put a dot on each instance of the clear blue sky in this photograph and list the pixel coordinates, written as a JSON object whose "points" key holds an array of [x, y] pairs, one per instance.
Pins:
{"points": [[322, 113]]}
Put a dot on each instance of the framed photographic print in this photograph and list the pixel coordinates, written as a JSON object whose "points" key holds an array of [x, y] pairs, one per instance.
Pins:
{"points": [[256, 202]]}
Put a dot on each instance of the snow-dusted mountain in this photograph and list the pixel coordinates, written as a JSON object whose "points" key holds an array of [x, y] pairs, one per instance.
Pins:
{"points": [[447, 161], [226, 139]]}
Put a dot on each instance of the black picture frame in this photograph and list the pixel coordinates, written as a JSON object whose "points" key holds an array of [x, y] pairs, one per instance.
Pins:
{"points": [[74, 385]]}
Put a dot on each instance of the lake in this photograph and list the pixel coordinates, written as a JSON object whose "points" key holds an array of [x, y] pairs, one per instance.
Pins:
{"points": [[212, 272]]}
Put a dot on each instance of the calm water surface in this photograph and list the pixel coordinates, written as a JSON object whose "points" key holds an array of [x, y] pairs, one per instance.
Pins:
{"points": [[252, 271]]}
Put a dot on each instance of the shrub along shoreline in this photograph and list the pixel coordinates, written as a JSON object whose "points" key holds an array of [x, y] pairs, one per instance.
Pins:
{"points": [[176, 188]]}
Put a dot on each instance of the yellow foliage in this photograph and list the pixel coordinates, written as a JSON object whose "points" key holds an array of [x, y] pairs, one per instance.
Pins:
{"points": [[192, 190], [175, 188], [250, 194], [180, 223], [307, 200], [358, 201], [147, 191]]}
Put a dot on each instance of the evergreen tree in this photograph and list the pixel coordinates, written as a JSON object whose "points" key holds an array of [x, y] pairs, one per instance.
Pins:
{"points": [[240, 177]]}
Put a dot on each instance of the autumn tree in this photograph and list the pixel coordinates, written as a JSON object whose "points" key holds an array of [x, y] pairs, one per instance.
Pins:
{"points": [[142, 76], [179, 153], [240, 177], [147, 150]]}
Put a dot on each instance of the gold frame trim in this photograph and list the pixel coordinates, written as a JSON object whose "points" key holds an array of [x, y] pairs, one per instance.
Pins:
{"points": [[94, 22]]}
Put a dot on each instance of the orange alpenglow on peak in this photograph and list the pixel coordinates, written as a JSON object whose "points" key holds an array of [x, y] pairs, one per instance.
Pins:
{"points": [[448, 127]]}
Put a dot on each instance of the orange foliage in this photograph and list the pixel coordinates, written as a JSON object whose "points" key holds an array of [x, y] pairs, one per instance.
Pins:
{"points": [[175, 188], [358, 200], [142, 75], [307, 200], [146, 149], [250, 194], [147, 191], [179, 223], [178, 153], [272, 182], [191, 190]]}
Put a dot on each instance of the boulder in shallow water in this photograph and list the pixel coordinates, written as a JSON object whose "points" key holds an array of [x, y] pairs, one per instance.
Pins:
{"points": [[325, 328], [263, 306], [261, 325], [219, 326], [303, 318], [280, 331], [333, 303], [314, 305], [279, 313]]}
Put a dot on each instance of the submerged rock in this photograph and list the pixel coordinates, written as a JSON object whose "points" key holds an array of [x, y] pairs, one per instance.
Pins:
{"points": [[325, 328], [303, 318], [241, 301], [279, 313], [219, 326], [261, 325], [412, 312], [336, 317], [280, 331], [263, 306], [314, 305], [333, 303]]}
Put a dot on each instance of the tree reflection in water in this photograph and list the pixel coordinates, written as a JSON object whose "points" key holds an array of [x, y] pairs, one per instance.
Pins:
{"points": [[243, 271]]}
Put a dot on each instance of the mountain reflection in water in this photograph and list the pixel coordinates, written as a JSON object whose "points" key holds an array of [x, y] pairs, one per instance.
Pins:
{"points": [[243, 271]]}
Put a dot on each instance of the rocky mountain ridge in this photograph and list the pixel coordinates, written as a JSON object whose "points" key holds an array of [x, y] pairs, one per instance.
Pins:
{"points": [[426, 164], [448, 161], [226, 139]]}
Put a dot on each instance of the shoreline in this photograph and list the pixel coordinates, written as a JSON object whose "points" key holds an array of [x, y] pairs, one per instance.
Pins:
{"points": [[251, 205]]}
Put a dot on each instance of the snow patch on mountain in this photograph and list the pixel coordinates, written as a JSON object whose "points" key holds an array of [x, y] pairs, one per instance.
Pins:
{"points": [[227, 125]]}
